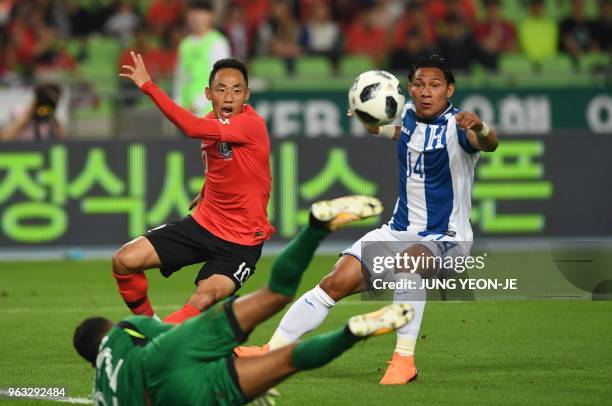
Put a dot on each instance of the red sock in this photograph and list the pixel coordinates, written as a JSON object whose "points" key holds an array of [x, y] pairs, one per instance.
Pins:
{"points": [[186, 312], [133, 289]]}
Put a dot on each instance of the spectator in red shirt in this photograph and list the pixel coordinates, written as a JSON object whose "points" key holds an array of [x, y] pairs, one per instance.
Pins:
{"points": [[415, 19], [23, 35], [495, 35], [414, 37], [255, 10], [229, 224], [160, 62], [50, 52], [366, 38], [165, 12], [440, 10]]}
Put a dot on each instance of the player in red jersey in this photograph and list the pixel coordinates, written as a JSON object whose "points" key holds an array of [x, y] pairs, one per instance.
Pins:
{"points": [[229, 224]]}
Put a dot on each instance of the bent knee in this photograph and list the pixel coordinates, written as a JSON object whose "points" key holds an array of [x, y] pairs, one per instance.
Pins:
{"points": [[126, 261], [336, 287], [205, 300]]}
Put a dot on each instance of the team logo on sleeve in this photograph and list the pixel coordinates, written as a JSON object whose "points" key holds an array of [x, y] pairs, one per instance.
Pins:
{"points": [[225, 149]]}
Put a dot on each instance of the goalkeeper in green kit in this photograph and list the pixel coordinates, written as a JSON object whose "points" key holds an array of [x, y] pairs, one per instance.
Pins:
{"points": [[142, 361]]}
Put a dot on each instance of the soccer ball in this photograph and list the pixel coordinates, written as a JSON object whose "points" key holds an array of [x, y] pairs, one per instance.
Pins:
{"points": [[376, 98]]}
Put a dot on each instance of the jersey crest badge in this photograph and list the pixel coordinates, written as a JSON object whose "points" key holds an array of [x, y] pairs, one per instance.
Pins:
{"points": [[225, 149]]}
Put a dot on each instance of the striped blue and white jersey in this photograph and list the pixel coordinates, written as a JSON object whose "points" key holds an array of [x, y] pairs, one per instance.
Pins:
{"points": [[436, 174]]}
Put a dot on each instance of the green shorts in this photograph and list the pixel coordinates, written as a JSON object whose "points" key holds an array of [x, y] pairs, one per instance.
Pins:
{"points": [[193, 363]]}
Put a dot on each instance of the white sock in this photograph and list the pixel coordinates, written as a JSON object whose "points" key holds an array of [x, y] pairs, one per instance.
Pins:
{"points": [[304, 315], [407, 335]]}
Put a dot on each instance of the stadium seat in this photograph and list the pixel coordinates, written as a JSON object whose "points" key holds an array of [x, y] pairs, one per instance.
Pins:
{"points": [[556, 10], [100, 66], [595, 62], [313, 66], [268, 67], [477, 75], [558, 65], [513, 10], [105, 50], [74, 47], [514, 64], [351, 66], [143, 6]]}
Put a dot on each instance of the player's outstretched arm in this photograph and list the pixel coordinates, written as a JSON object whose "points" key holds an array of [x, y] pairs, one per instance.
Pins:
{"points": [[388, 131], [480, 135], [191, 125]]}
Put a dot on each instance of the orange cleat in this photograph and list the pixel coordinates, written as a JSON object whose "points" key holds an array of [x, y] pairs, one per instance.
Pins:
{"points": [[246, 351], [401, 370]]}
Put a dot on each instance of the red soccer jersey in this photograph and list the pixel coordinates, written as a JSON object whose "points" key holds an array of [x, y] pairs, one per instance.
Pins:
{"points": [[236, 155]]}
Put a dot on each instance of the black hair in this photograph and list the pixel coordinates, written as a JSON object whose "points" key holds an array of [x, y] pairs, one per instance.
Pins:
{"points": [[232, 63], [432, 61], [87, 337], [199, 5]]}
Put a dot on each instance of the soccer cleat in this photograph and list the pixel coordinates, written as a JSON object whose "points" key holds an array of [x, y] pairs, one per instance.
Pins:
{"points": [[401, 370], [332, 214], [382, 321], [247, 351], [269, 398]]}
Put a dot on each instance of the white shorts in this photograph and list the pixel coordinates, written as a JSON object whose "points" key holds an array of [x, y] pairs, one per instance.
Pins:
{"points": [[441, 245]]}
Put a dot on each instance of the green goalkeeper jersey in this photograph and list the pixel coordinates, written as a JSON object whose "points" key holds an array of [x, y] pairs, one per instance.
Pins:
{"points": [[196, 57], [119, 369]]}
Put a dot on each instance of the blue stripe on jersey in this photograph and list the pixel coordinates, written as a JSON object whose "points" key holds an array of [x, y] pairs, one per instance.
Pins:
{"points": [[400, 217], [438, 189], [399, 221], [464, 142]]}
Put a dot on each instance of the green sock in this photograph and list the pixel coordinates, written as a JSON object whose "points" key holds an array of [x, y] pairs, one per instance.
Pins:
{"points": [[291, 263], [321, 349]]}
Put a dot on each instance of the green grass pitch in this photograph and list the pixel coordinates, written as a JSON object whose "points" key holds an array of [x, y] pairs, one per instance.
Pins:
{"points": [[544, 352]]}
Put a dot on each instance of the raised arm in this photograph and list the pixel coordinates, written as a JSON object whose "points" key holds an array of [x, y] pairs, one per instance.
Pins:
{"points": [[191, 125]]}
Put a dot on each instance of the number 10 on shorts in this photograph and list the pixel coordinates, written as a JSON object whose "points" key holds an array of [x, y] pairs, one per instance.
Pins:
{"points": [[243, 273]]}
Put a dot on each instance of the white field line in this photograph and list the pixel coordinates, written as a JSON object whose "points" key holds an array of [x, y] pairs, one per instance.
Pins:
{"points": [[98, 309], [4, 394]]}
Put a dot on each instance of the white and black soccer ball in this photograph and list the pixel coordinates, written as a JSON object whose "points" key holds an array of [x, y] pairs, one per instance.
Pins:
{"points": [[376, 97]]}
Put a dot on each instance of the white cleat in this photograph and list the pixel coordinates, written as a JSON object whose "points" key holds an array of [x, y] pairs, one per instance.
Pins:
{"points": [[270, 398], [332, 214], [382, 321]]}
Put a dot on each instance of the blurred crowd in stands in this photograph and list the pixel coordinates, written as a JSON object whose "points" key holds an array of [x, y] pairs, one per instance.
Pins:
{"points": [[46, 35]]}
